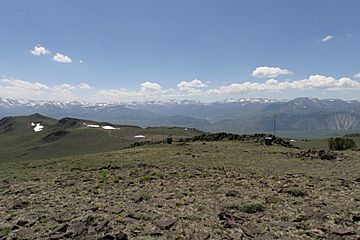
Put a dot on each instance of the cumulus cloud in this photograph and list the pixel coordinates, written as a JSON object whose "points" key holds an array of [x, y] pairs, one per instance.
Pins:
{"points": [[150, 87], [39, 50], [327, 38], [313, 82], [357, 75], [85, 86], [192, 85], [270, 72], [61, 58]]}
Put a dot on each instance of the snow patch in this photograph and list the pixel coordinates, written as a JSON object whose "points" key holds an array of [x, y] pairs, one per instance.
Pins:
{"points": [[93, 126], [38, 127], [139, 136], [108, 127]]}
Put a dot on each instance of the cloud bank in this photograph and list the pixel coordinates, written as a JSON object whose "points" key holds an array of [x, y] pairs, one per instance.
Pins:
{"points": [[312, 82], [15, 88]]}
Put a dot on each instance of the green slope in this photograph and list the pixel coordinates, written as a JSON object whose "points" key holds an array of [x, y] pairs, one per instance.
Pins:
{"points": [[71, 136]]}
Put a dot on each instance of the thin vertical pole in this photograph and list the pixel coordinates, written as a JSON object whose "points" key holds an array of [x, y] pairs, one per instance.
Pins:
{"points": [[274, 124]]}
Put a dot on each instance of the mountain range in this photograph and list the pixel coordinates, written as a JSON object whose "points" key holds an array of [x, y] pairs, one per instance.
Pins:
{"points": [[231, 115]]}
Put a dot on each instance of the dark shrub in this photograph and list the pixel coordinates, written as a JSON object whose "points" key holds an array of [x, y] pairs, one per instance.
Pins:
{"points": [[169, 140], [341, 143]]}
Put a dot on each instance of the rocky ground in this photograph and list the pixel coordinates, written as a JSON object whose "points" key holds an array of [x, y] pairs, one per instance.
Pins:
{"points": [[198, 190]]}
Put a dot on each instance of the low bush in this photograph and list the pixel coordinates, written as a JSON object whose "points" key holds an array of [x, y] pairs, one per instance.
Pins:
{"points": [[296, 192], [341, 143], [247, 207]]}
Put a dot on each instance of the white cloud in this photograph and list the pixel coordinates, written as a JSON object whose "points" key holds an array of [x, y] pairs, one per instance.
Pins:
{"points": [[150, 87], [357, 75], [270, 72], [19, 89], [67, 86], [327, 38], [15, 83], [39, 50], [85, 86], [61, 58], [192, 85], [313, 82]]}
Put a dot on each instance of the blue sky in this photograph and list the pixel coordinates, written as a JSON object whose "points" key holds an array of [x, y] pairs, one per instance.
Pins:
{"points": [[194, 49]]}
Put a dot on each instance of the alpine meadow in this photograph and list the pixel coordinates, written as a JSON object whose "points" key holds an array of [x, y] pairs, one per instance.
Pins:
{"points": [[191, 119]]}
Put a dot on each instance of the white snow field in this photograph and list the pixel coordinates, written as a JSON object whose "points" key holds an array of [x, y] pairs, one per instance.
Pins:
{"points": [[38, 127], [108, 127], [93, 126]]}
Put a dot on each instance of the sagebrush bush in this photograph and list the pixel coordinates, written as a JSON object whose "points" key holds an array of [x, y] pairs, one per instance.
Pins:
{"points": [[341, 143]]}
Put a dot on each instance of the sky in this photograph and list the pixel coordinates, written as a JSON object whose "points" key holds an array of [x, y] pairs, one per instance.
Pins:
{"points": [[207, 50]]}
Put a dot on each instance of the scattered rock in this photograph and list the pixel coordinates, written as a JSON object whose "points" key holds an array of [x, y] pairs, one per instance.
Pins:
{"points": [[78, 229], [115, 210], [109, 167], [19, 204], [203, 235], [22, 223], [61, 228], [316, 154], [356, 218], [102, 226], [227, 220], [25, 233], [4, 184], [259, 138], [166, 223], [60, 236], [115, 236], [138, 199]]}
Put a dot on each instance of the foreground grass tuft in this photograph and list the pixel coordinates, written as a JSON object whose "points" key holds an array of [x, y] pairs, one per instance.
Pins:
{"points": [[253, 206], [296, 192]]}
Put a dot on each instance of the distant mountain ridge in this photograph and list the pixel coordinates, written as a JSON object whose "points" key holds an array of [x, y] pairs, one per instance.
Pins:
{"points": [[232, 115]]}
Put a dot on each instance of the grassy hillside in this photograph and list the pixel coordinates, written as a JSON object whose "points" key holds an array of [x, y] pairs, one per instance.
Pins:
{"points": [[212, 190], [320, 143], [70, 136]]}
